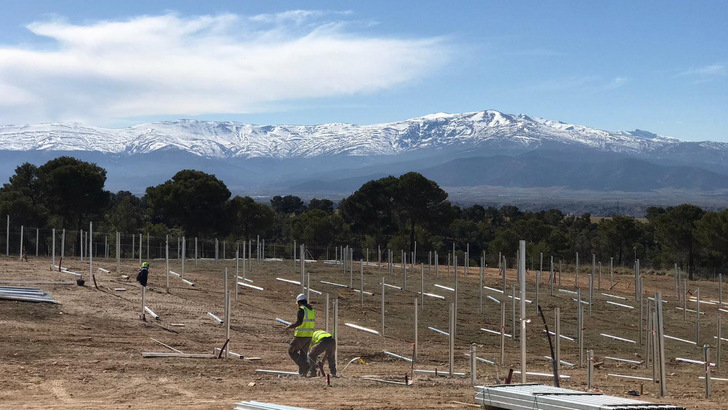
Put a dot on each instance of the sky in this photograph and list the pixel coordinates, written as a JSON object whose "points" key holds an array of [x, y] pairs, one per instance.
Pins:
{"points": [[660, 66]]}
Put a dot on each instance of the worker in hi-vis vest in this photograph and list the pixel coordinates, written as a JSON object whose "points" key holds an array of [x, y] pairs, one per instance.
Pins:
{"points": [[322, 342], [304, 325]]}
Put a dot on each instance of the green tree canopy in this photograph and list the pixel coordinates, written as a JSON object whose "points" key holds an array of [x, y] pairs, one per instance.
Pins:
{"points": [[192, 200], [675, 230], [248, 218], [73, 190], [370, 210], [289, 205]]}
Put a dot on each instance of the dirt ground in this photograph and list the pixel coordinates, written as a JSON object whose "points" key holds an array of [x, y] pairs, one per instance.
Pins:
{"points": [[85, 352]]}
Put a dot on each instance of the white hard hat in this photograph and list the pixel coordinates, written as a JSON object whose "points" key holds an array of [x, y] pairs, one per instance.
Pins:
{"points": [[300, 297]]}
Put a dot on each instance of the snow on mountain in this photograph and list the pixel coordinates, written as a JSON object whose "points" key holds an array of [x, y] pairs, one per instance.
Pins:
{"points": [[214, 139]]}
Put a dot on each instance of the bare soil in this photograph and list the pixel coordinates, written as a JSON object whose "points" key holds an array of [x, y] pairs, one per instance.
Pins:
{"points": [[85, 352]]}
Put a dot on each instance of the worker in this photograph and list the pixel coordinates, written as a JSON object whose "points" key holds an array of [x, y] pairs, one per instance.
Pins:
{"points": [[304, 327], [143, 274], [322, 342]]}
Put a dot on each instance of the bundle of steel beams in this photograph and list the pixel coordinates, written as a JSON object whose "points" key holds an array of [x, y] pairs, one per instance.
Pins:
{"points": [[537, 396], [25, 294], [258, 405]]}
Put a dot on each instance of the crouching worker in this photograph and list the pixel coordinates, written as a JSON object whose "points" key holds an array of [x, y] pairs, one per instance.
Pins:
{"points": [[304, 327], [322, 342]]}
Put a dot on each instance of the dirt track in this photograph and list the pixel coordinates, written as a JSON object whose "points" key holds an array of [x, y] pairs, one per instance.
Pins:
{"points": [[86, 351]]}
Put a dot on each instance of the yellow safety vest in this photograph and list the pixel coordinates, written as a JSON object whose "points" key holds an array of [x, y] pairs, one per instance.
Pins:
{"points": [[318, 335], [309, 319]]}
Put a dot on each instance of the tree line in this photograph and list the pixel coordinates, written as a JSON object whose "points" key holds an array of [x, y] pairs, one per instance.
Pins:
{"points": [[391, 213]]}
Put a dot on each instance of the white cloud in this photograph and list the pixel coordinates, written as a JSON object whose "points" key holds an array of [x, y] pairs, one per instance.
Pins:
{"points": [[587, 83], [706, 73], [172, 65]]}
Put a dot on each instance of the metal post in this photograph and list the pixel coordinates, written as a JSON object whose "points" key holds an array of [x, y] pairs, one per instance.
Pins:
{"points": [[706, 359], [404, 270], [611, 272], [20, 251], [473, 361], [591, 293], [416, 329], [718, 352], [503, 272], [599, 278], [144, 294], [91, 251], [501, 357], [661, 344], [361, 281], [53, 244], [147, 245], [697, 317], [196, 252], [522, 280], [580, 326], [576, 271], [383, 286], [451, 356], [647, 335], [636, 278], [557, 339], [37, 239], [422, 286], [552, 279], [685, 299], [166, 258], [326, 316], [480, 285], [513, 311], [184, 256], [140, 249], [7, 237], [720, 289], [437, 265], [641, 299], [237, 271], [227, 319], [538, 285], [590, 369], [455, 311]]}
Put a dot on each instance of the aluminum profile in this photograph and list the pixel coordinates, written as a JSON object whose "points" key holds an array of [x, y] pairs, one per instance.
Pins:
{"points": [[258, 405], [536, 396], [23, 294]]}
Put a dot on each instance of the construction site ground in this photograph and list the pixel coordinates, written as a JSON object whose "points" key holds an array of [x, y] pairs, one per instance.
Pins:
{"points": [[86, 351]]}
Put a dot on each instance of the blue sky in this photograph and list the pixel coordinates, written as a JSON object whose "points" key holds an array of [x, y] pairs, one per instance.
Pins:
{"points": [[614, 65]]}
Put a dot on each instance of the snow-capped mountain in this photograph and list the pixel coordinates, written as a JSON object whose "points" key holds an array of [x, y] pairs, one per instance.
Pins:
{"points": [[476, 149], [238, 140]]}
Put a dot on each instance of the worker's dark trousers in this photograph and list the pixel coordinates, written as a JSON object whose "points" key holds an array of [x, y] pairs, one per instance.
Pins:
{"points": [[327, 345], [298, 350]]}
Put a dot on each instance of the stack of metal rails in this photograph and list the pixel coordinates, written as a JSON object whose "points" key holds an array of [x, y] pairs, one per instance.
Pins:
{"points": [[537, 396], [25, 294], [259, 405]]}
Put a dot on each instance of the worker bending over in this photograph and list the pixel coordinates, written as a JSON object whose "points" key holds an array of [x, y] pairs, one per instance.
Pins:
{"points": [[304, 325], [322, 342]]}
